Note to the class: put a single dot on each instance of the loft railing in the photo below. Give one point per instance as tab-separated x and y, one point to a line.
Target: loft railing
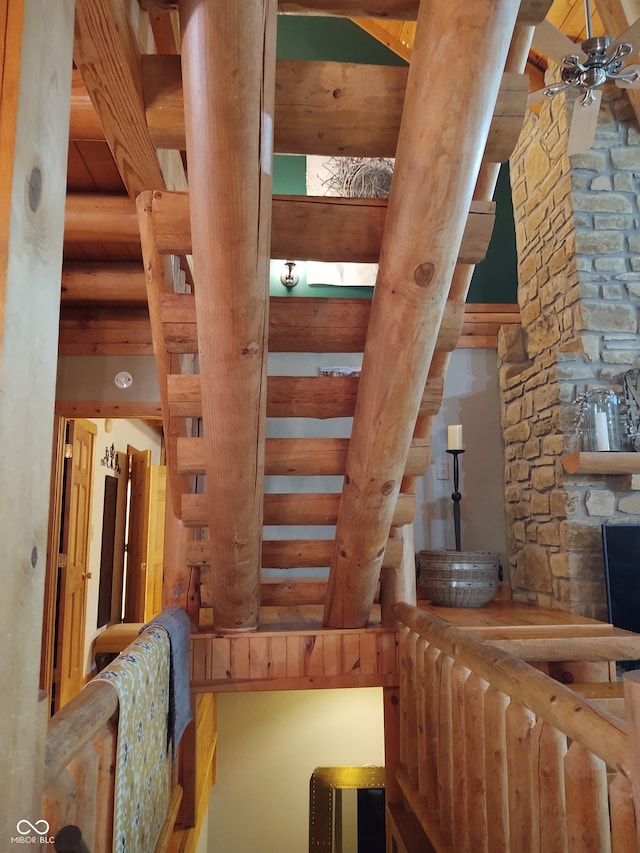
497	756
79	777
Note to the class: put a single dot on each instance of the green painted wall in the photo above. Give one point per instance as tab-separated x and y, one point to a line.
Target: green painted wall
339	40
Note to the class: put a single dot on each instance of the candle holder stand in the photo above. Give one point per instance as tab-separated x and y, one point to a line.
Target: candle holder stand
456	497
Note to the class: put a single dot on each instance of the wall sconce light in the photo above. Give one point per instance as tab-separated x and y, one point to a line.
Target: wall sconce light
288	277
111	459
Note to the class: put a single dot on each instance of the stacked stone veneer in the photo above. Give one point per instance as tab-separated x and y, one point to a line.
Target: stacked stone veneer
578	237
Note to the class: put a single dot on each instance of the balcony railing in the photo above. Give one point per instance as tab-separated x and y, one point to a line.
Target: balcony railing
497	756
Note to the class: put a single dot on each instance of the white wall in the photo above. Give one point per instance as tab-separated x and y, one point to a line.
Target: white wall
471	398
269	745
81	378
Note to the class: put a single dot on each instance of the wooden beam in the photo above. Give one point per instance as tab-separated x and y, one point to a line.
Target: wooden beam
100	282
103	314
309	324
232	48
416	267
327	108
324	108
530	12
289	554
295	396
35	81
303	227
484	189
108	57
303	508
105	331
302	457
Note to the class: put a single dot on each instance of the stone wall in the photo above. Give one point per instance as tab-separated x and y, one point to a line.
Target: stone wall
577	223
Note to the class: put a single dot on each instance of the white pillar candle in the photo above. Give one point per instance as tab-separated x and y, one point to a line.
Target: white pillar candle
602	432
454	437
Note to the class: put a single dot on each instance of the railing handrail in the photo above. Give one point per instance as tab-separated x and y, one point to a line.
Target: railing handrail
76	724
600	732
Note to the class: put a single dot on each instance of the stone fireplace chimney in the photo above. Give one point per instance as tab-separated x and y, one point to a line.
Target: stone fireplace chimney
578	239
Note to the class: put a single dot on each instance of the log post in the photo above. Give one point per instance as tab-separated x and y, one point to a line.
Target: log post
485	187
631	682
430	198
228	71
36	41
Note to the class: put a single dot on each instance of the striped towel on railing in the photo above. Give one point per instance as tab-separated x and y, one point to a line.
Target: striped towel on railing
141	677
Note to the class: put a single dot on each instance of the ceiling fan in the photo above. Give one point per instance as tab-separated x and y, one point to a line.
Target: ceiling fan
586	69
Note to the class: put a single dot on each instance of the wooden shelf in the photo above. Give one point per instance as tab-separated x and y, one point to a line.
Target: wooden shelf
602	463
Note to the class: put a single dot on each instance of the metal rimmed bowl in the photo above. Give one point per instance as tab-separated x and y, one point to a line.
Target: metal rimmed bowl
458	578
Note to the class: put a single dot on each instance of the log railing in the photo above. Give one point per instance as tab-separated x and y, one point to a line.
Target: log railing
497	756
79	777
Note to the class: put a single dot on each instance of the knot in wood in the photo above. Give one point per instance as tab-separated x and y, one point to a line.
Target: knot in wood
35	188
423	274
388	487
337	93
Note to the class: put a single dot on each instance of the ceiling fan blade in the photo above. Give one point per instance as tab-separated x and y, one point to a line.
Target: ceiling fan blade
629	70
630	36
548	39
583	125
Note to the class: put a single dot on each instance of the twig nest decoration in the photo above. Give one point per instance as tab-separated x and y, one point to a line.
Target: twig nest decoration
359	177
458	578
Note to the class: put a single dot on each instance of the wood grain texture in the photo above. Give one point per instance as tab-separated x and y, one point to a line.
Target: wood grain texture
413	283
530	12
33	155
233	49
107	55
325	108
304	227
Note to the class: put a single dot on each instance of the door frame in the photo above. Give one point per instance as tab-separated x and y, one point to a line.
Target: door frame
72	410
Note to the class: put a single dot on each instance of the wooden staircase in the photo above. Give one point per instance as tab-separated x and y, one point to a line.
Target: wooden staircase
182	325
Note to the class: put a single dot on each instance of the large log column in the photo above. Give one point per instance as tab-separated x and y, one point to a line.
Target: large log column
485	187
440	147
228	70
36	41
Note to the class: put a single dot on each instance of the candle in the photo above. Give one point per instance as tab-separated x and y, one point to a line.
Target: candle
454	437
602	432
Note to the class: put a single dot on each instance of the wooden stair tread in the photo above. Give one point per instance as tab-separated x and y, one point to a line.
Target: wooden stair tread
319	228
319	397
307	324
294	509
291	553
304	457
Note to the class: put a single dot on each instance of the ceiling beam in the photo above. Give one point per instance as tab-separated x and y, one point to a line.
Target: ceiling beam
424	226
108	57
103	282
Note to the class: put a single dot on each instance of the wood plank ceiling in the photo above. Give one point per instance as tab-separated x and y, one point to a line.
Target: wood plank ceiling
131	125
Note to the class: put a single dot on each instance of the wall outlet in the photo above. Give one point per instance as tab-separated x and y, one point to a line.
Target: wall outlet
442	470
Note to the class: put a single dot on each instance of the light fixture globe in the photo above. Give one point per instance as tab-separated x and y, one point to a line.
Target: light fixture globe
123	379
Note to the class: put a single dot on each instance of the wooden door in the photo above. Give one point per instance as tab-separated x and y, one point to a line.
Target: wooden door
155	541
74	558
137	533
